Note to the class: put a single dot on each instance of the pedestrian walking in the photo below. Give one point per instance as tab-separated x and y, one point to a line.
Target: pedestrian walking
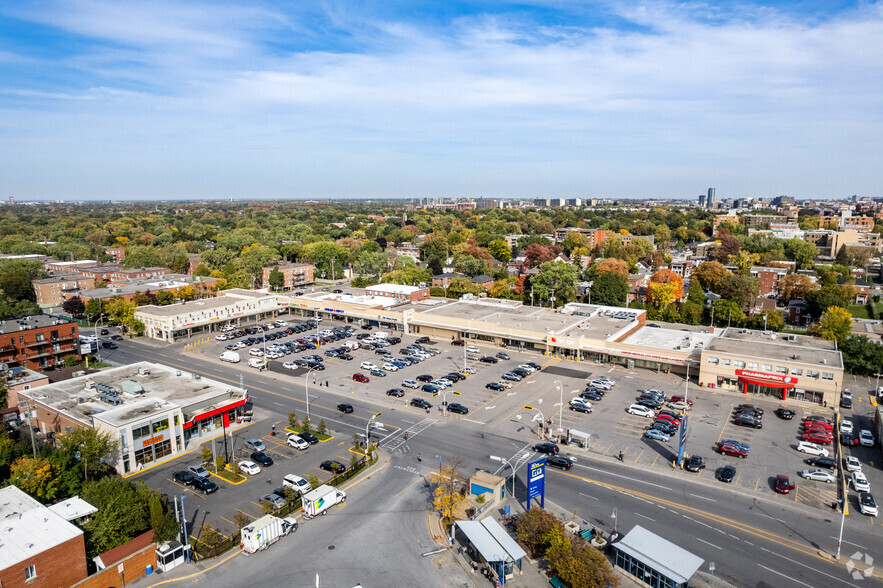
620	456
326	383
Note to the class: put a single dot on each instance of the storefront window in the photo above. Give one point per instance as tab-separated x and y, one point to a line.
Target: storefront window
713	360
827	376
138	432
160	425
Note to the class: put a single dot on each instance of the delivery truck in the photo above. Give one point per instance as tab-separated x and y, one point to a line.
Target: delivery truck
321	499
265	531
231	356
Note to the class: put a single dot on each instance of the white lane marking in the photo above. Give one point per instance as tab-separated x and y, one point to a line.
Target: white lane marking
284	388
707	543
703	497
587	496
472	421
783	575
748	542
812	568
609	473
409	422
490	407
278	404
511	393
637	514
530	381
772	517
856	544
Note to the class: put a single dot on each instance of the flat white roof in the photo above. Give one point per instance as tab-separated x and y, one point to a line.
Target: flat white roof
660	554
27	528
393	288
670	339
73	508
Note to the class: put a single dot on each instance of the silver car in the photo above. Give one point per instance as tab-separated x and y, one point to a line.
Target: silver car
818	475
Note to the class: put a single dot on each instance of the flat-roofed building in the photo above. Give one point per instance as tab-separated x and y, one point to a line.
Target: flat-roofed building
169	283
293	274
151	409
54	291
771	364
399	292
38	341
39	547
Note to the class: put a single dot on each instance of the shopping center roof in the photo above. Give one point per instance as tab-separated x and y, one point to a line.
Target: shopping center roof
801	349
670	339
143	388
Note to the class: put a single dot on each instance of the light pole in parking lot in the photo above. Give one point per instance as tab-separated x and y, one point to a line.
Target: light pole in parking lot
506	463
368	429
542	420
307	389
877	387
560	403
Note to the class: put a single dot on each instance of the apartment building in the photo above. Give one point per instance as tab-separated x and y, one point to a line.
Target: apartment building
54	291
38	341
294	274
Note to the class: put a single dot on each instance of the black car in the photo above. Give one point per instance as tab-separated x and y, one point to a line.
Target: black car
184	477
454	377
559	462
458	408
649	403
488	359
496	386
116	337
751	407
785	413
665	427
846	402
590	395
727	474
829	463
744	420
548	448
262	458
108	345
333	466
345	356
397	392
749	413
695	463
345	408
424	378
848	439
420	403
204	485
424	340
315	365
580	407
309	438
521	372
394	340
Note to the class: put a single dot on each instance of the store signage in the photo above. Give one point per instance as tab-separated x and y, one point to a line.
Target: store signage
152	440
536	477
764	376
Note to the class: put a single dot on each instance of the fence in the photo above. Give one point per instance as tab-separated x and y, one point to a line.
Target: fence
204	551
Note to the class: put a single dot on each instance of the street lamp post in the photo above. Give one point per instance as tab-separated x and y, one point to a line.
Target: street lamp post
877	388
506	463
560	403
307	389
368	429
542	420
842	520
97	340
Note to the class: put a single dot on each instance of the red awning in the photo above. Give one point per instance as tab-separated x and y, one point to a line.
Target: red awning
210	414
768	383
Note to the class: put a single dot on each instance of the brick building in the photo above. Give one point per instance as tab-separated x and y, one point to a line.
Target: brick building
55	290
399	292
768	277
295	274
38	341
118	254
39	547
170	283
53	265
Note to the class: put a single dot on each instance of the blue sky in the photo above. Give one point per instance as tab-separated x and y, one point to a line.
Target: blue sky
166	99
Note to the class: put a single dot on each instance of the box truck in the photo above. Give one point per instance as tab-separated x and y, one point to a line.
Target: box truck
231	356
265	531
257	362
321	499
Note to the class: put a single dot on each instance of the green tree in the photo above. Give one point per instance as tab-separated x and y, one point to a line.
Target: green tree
34	475
818	301
861	356
834	325
94	308
691	313
123	513
292	419
371	263
88	446
500	250
470	266
739	288
774	321
695	293
610	289
139	256
727	313
276	279
321	427
559	277
165	297
305	424
709	274
802	252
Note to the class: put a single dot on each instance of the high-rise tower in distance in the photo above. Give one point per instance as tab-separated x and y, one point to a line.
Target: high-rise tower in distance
709	201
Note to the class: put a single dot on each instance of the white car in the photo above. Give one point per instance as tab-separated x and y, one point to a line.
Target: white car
866	438
468	370
441	383
221	337
853	464
256	352
641	410
367	365
860	482
581	401
473	349
846	426
249	467
240	344
390	367
282	323
812	448
289	365
818	475
866	504
297	442
527	368
680	405
601	384
413	384
505	384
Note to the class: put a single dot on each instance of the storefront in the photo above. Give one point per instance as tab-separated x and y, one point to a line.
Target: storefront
213	420
777	386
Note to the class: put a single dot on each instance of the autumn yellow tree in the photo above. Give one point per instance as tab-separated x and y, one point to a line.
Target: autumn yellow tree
611	264
448	495
834	325
34	476
666	287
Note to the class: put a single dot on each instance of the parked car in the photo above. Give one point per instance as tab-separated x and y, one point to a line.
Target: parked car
822	462
249	467
297	442
511	376
503	355
494	386
411	384
817	438
783	485
547	448
727	474
785	413
275	500
397	392
108	345
584	408
431	388
255	445
198	471
846	426
848	439
695	463
470	349
361	378
747	421
262	458
204	485
559	462
743	446
657	435
859	482
333	466
488	359
184	477
818	476
457	408
811	448
458	342
866	438
853	464
730	449
309	438
345	408
641	410
424	378
678	405
866	504
420	403
679	398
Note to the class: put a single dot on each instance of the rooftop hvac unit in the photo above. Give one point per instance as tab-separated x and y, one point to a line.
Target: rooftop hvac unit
143	371
78	374
90	385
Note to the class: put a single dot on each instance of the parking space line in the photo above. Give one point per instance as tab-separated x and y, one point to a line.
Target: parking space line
639	456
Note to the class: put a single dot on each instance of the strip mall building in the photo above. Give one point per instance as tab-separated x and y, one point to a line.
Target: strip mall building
754	362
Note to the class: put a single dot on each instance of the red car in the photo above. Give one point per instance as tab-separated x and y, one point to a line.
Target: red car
817	420
361	378
678	398
670	419
783	485
458	342
730	449
819	430
816	438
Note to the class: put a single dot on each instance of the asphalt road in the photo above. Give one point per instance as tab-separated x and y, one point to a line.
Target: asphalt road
753	537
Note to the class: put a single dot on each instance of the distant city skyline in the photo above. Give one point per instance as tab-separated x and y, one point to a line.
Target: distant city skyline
103	100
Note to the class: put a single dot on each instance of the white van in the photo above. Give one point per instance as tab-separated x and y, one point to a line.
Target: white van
256	362
296	483
231	356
